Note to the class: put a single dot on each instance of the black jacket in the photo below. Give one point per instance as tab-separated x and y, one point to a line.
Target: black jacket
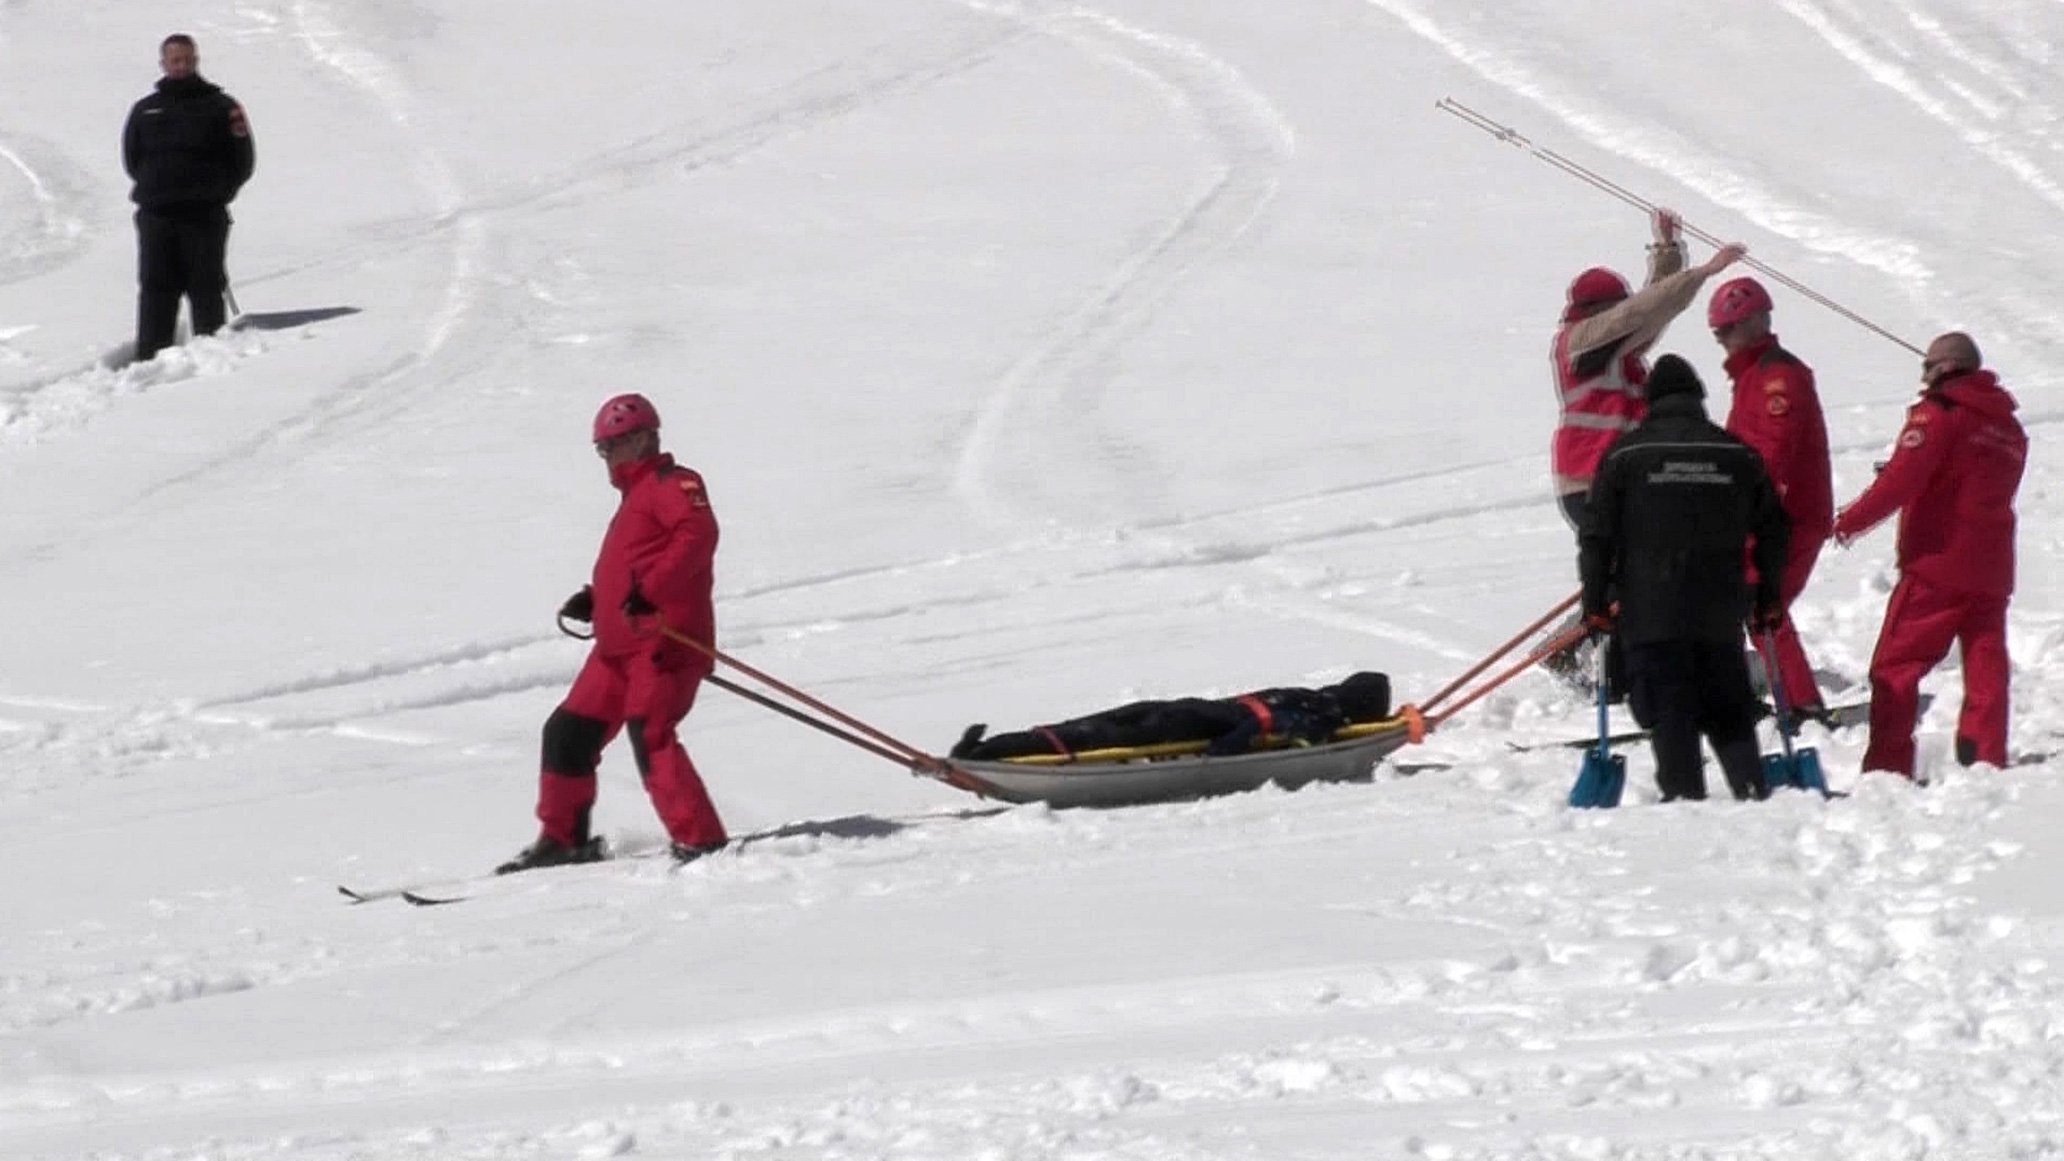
1671	513
186	146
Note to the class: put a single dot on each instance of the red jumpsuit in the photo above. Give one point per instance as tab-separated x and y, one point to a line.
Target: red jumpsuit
1952	477
662	542
1777	411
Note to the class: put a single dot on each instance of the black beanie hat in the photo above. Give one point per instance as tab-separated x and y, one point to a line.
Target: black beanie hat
1364	697
1673	376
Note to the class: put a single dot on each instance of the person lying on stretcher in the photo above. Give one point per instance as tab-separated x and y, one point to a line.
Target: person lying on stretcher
1231	725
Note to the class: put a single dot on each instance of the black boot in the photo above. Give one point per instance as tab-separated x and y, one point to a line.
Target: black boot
685	853
550	852
1743	764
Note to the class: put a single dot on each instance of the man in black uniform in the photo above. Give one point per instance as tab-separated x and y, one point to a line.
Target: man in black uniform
1668	525
188	149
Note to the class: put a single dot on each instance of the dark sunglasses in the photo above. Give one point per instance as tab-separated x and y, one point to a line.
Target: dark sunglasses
603	447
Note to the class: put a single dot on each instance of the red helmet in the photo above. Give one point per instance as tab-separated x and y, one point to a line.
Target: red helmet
1737	299
1591	288
625	414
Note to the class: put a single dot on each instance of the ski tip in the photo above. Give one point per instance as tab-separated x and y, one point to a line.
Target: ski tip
352	895
431	900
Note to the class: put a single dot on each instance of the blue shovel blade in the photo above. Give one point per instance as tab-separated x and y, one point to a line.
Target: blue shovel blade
1806	770
1801	771
1600	781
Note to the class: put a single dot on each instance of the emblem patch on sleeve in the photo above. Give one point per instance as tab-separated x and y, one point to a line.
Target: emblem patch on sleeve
1778	406
1912	437
692	488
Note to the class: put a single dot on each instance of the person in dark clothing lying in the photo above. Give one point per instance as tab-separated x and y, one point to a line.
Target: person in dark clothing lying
1230	725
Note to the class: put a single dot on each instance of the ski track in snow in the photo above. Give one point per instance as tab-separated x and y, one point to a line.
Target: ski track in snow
58	229
1058	381
1866	41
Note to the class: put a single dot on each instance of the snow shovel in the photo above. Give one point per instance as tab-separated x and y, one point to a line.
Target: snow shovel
1604	773
1798	767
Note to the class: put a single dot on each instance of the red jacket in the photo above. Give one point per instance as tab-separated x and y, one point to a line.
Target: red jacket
1599	400
1777	411
1952	478
663	540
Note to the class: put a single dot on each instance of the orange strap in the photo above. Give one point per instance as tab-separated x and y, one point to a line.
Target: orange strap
1260	710
1555	644
1518	639
1054	740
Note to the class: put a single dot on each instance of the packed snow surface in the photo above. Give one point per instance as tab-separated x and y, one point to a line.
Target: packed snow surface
1039	357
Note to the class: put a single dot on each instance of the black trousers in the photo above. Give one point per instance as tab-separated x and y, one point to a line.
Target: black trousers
1142	723
1574	505
179	253
1681	690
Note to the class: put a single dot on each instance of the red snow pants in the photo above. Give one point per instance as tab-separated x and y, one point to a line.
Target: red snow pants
650	697
1800	688
1921	622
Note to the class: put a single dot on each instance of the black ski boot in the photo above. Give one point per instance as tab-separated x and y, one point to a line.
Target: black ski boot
550	852
685	853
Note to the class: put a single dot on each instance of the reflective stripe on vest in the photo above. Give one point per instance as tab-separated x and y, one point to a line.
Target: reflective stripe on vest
1599	422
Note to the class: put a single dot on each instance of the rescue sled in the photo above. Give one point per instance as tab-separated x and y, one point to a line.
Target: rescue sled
1178	771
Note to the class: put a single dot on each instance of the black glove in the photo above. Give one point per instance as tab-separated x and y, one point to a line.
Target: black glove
636	605
580	606
1769	616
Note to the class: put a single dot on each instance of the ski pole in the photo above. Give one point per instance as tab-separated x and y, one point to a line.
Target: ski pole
1767	644
1512	137
1561	607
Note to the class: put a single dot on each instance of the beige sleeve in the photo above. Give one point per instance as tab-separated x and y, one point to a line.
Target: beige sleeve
1664	259
1639	319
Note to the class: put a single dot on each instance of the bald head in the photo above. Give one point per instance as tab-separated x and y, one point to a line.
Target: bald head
1950	354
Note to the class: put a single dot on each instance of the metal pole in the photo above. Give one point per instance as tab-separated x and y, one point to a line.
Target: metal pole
1512	137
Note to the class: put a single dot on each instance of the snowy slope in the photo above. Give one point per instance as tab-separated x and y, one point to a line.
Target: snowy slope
1039	356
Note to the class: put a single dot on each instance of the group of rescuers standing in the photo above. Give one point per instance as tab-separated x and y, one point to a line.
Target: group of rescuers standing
1687	531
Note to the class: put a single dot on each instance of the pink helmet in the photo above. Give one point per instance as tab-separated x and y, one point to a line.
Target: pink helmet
1592	288
625	414
1737	299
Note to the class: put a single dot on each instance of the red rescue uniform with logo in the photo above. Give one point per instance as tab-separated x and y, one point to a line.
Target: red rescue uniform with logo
661	543
1952	479
1776	410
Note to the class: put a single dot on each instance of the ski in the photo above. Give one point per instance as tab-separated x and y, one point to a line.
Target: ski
414	895
441	892
419	900
1840	717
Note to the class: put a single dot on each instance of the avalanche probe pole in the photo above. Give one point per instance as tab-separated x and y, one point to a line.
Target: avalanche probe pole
1512	137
